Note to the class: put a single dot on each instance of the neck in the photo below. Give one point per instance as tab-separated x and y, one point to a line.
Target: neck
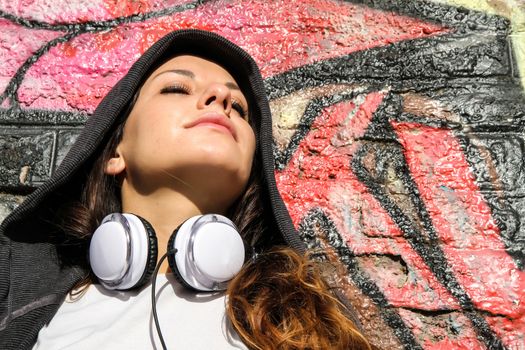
164	209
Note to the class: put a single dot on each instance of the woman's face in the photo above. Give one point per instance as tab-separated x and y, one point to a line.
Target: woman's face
189	125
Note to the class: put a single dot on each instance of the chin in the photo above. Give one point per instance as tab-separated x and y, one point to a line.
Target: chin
230	160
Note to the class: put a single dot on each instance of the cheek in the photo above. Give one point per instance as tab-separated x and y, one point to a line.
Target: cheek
145	141
251	142
154	130
249	150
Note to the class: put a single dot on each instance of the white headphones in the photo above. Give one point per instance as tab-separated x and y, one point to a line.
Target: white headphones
207	252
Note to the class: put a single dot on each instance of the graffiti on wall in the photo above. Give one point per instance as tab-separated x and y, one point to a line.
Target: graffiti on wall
398	133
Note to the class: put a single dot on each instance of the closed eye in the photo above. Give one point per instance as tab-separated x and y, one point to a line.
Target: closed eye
240	109
175	89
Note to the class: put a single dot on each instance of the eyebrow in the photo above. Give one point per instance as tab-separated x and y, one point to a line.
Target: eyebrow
190	74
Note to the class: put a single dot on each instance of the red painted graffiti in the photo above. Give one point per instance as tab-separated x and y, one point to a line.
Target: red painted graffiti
319	176
469	237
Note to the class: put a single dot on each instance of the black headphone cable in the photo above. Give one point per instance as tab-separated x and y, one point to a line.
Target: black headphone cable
153	299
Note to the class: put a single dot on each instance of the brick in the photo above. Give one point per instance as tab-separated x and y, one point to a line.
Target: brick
26	156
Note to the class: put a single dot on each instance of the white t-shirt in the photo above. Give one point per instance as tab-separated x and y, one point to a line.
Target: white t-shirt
103	319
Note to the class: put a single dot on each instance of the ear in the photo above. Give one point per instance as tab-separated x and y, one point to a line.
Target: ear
115	165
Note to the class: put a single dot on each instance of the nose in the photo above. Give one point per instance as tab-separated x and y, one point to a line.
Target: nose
219	95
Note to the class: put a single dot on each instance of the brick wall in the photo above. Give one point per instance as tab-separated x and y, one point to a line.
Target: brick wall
398	128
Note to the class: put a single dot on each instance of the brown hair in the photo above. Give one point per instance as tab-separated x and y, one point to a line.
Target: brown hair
279	299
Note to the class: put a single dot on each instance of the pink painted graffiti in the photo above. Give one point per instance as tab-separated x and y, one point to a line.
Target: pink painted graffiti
84	69
80	11
17	44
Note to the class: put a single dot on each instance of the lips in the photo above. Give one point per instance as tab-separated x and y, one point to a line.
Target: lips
215	120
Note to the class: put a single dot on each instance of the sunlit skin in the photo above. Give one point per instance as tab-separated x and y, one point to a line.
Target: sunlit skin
187	146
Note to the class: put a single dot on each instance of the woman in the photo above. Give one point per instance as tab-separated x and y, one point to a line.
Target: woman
186	132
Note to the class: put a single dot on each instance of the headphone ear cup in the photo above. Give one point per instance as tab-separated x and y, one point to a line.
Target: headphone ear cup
123	251
209	252
153	250
173	264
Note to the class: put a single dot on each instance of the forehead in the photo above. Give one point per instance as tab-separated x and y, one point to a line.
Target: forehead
201	68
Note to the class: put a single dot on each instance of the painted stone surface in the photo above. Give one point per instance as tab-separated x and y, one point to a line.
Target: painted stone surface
398	131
